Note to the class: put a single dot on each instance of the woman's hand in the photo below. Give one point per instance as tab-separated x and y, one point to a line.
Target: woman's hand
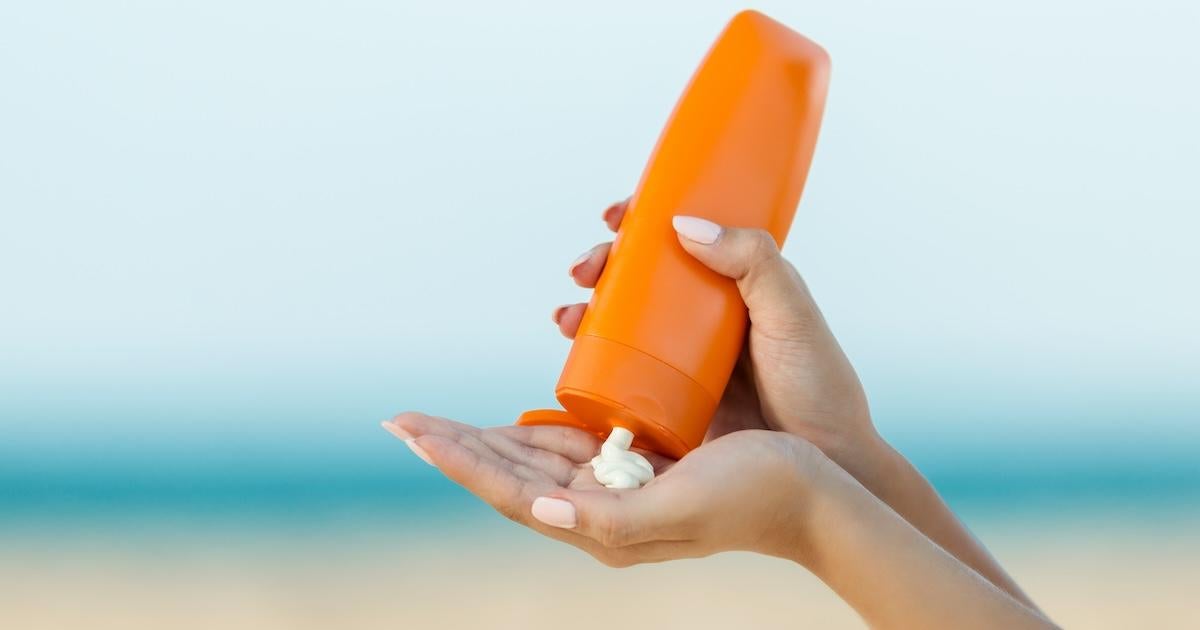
773	492
752	490
743	491
792	375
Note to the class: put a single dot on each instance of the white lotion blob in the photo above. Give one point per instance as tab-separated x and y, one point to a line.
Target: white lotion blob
618	467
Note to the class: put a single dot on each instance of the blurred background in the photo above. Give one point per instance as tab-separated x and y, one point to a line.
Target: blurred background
234	236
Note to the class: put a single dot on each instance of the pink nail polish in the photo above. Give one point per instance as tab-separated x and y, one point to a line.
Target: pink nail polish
697	230
554	512
608	212
419	452
579	261
395	430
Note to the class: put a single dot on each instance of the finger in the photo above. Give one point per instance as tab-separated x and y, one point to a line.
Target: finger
773	291
497	485
509	456
568	318
586	269
574	444
411	425
416	423
553	465
614	214
509	495
616	519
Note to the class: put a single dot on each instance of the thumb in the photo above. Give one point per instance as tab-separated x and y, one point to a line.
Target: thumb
773	291
613	519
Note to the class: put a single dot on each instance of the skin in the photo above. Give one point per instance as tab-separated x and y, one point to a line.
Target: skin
792	467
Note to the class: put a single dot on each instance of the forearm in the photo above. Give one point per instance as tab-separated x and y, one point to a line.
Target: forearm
896	482
891	573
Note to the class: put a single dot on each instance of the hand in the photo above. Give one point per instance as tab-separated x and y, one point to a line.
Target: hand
743	491
775	492
792	375
752	490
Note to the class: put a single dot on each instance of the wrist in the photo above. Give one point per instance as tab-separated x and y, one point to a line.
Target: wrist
867	457
808	478
823	489
833	502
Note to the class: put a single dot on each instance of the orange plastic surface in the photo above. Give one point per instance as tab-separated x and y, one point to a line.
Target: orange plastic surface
662	332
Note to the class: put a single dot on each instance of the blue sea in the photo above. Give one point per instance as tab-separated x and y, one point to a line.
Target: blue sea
69	470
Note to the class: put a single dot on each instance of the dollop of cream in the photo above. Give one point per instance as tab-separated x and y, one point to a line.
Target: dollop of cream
618	467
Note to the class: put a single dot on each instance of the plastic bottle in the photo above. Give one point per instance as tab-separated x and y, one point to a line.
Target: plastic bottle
662	332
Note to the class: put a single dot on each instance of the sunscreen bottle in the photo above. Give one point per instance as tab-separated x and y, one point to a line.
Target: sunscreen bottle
662	332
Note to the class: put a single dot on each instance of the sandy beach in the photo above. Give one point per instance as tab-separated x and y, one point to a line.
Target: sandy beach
483	572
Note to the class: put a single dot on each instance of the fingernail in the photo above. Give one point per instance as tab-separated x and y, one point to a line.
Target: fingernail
554	512
584	257
697	230
556	316
395	430
420	452
612	207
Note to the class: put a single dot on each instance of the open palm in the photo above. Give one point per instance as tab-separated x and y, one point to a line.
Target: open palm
507	464
509	467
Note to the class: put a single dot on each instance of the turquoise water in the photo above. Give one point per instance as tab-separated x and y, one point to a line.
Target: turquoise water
362	468
277	449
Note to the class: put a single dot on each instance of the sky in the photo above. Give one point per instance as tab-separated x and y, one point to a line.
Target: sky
252	230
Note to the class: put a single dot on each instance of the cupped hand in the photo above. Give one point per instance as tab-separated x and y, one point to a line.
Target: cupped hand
792	375
743	491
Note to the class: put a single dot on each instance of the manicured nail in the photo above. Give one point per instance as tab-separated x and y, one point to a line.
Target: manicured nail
409	440
612	207
697	230
554	512
556	316
584	257
420	452
395	430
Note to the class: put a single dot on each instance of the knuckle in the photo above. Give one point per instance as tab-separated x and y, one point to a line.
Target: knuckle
755	250
510	512
762	247
611	533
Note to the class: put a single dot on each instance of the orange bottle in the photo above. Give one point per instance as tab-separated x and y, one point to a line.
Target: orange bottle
662	332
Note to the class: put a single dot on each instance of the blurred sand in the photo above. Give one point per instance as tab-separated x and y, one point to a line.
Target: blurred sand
1086	575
